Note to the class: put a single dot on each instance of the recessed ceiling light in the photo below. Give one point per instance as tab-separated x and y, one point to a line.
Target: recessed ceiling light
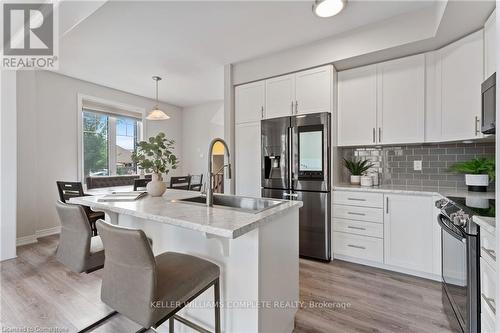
328	8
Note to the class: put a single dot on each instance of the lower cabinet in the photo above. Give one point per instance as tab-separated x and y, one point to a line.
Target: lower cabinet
401	234
247	159
408	225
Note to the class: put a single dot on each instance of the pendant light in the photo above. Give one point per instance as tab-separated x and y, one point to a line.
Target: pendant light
328	8
156	113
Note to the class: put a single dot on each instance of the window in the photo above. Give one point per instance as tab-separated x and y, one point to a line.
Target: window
108	143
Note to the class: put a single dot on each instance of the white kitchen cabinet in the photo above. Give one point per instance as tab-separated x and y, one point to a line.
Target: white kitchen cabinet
401	100
357	106
249	102
490	46
247	159
313	90
461	75
408	225
304	92
280	96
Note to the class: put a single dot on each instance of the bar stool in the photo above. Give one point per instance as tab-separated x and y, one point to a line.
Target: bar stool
151	289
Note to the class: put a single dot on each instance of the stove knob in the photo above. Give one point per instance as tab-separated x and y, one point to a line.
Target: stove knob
441	203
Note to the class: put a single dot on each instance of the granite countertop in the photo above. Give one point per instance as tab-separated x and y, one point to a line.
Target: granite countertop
415	190
220	221
486	223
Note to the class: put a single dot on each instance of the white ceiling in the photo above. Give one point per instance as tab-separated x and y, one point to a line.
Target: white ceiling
122	44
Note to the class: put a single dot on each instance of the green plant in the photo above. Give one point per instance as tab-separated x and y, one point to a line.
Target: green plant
477	166
357	168
155	155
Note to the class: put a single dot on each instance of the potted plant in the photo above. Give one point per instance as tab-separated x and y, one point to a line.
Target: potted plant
478	173
357	168
155	155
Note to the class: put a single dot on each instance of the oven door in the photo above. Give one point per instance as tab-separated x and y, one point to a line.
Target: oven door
454	273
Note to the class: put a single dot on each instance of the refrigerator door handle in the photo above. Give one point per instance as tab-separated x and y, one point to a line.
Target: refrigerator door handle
290	158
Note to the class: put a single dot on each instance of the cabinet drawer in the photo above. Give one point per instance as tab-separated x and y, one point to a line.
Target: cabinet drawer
362	247
358	213
359	227
488	287
487	241
358	199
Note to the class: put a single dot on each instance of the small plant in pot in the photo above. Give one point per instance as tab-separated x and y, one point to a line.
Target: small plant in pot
357	169
479	172
155	156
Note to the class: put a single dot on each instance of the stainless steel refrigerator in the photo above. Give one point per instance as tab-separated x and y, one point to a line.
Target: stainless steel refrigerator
296	166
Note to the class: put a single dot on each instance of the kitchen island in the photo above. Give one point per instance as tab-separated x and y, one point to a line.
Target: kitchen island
257	252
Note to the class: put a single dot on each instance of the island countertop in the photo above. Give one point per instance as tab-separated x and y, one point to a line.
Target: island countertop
219	221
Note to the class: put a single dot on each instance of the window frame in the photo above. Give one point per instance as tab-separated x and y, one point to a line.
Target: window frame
128	109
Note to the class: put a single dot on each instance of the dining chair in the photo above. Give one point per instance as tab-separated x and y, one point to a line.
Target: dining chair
140	183
134	279
196	182
68	190
180	183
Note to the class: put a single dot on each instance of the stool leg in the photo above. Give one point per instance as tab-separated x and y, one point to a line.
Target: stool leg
171	325
217	305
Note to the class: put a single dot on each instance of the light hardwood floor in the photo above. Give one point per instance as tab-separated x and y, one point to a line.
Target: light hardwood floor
37	291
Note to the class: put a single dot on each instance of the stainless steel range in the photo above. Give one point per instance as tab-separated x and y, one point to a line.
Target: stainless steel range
460	259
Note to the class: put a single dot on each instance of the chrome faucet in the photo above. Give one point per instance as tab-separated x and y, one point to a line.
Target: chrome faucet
210	191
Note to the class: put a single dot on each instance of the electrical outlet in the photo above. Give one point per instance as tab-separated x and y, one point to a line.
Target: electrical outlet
417	165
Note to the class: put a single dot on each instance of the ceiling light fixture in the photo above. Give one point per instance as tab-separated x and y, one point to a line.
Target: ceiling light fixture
328	8
156	113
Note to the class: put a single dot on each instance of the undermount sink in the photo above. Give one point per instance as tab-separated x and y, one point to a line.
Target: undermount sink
251	205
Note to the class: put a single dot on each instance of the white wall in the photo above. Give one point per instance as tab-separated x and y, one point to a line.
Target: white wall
47	134
201	123
8	165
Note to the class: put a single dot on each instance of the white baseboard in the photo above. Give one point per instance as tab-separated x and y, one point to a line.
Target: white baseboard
31	239
48	232
26	240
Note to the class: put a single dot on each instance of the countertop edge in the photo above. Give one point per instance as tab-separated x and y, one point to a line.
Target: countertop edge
487	223
219	232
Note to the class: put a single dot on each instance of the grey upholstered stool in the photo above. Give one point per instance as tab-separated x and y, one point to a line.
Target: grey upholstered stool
135	280
78	249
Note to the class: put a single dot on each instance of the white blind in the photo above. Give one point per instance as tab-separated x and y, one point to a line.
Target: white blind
110	110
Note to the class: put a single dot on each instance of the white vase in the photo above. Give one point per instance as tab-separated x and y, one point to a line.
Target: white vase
156	187
477	183
366	181
355	180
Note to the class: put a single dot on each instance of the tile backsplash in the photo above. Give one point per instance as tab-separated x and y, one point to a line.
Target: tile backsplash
395	164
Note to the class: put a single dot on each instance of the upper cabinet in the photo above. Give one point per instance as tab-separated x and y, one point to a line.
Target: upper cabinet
309	91
304	92
460	74
489	46
432	97
280	96
357	106
375	101
249	102
401	100
314	90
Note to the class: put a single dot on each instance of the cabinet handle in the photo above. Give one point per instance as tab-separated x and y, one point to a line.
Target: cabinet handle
490	302
374	135
380	134
356	199
262	112
357	228
476	128
491	253
353	213
387	205
357	246
292	107
296	107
